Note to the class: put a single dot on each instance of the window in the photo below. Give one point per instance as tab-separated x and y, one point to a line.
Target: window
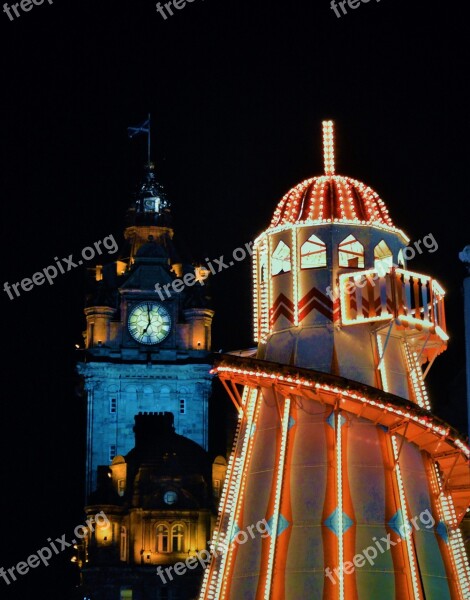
401	259
112	452
112	405
313	253
177	538
162	538
351	253
182	406
170	497
217	487
121	486
383	258
123	548
280	260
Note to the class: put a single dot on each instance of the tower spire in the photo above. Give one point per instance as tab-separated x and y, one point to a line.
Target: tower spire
329	147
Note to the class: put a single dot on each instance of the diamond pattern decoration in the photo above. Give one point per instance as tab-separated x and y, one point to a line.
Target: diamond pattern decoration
333	523
441	530
331	420
282	525
291	423
399	524
235	531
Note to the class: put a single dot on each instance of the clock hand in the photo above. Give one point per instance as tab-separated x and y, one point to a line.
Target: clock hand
148	324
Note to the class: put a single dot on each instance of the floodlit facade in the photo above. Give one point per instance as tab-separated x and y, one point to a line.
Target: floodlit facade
146	367
362	486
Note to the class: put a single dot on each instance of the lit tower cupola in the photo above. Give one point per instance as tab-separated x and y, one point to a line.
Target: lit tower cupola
149	215
332	291
362	487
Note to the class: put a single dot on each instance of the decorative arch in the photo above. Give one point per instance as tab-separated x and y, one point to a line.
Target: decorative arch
130	393
351	253
313	253
281	259
148	392
165	394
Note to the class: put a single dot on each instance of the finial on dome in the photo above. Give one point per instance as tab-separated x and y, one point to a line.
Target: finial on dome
329	147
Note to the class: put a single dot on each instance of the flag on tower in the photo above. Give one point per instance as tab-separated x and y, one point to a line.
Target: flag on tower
144	128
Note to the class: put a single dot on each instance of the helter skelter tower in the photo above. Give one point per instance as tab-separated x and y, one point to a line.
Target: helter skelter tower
336	446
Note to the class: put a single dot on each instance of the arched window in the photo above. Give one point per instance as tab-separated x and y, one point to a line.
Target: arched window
165	397
177	537
313	253
148	394
351	253
280	260
130	393
383	258
162	538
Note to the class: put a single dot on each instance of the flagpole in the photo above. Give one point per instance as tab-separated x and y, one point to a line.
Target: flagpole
148	142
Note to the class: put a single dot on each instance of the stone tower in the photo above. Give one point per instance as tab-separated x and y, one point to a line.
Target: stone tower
145	352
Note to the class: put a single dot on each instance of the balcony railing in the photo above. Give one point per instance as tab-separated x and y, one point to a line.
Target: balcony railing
415	301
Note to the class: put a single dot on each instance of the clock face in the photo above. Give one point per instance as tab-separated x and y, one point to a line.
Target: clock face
149	322
170	497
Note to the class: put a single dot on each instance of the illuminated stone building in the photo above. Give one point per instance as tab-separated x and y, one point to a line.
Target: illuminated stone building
363	487
146	370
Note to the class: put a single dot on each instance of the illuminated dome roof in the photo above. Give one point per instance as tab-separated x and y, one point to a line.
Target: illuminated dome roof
331	198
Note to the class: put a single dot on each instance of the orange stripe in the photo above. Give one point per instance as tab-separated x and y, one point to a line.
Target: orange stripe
349	538
330	541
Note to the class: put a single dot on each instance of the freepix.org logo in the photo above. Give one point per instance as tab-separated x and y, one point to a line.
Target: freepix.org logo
54	547
214	266
370	553
203	557
61	266
25	5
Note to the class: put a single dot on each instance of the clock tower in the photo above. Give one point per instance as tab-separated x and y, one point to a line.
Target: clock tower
145	352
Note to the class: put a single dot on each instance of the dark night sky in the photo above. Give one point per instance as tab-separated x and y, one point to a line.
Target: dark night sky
237	91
